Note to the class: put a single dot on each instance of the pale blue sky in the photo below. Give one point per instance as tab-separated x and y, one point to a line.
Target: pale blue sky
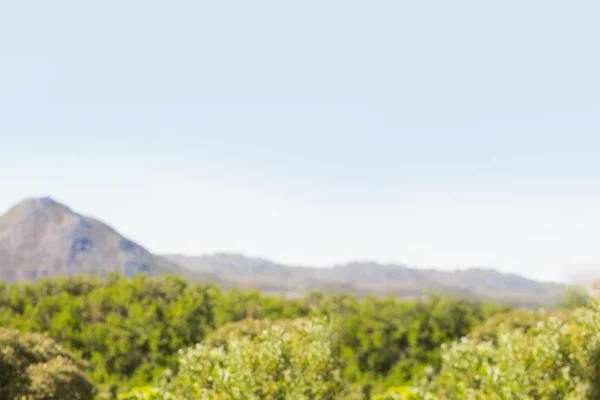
432	133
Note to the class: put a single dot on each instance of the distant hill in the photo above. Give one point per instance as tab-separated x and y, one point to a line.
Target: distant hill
510	288
40	237
371	278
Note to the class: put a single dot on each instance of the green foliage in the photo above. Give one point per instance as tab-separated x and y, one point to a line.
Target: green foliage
386	341
130	330
398	393
524	320
235	305
248	328
555	359
33	366
285	361
575	297
142	393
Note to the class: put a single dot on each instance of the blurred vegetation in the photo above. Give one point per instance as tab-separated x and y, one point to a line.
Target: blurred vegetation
33	366
524	320
167	337
575	297
556	358
295	361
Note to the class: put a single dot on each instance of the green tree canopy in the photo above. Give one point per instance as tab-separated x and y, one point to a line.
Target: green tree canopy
556	358
285	361
33	366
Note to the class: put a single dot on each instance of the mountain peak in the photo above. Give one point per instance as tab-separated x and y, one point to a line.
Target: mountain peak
44	201
42	237
32	205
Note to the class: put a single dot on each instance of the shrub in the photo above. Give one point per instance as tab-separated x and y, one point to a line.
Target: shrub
248	328
33	366
285	361
524	320
555	359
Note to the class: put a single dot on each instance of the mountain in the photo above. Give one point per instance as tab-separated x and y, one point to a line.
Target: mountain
371	278
40	237
500	286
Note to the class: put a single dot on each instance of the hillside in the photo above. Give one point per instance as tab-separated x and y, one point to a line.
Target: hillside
492	284
40	237
371	278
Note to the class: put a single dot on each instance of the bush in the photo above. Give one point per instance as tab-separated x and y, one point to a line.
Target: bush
33	366
555	359
524	320
285	361
248	328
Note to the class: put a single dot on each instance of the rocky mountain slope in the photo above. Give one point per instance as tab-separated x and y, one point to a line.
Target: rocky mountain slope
40	237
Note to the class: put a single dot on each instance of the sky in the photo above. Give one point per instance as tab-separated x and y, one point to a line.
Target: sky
434	134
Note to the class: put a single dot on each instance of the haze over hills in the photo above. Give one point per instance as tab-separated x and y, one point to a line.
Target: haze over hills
40	237
358	277
372	278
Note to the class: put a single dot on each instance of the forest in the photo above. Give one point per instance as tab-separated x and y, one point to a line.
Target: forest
170	338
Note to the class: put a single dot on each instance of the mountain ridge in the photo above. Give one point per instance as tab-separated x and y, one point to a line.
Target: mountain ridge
373	278
41	237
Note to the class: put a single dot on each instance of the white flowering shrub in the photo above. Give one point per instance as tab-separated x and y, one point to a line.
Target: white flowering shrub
296	363
555	359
